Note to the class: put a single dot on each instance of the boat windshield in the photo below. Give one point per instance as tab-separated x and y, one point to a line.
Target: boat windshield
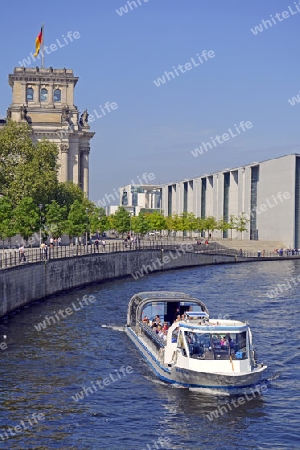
216	346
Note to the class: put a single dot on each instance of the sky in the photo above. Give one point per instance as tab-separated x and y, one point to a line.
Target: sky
248	76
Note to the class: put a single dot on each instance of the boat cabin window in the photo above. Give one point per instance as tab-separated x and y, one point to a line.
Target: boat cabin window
216	346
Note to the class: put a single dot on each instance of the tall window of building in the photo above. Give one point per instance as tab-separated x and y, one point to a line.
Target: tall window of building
56	95
124	198
185	196
169	200
297	204
29	94
203	197
226	201
44	95
253	203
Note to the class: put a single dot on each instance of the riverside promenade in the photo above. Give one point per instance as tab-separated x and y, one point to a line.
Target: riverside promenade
12	257
70	267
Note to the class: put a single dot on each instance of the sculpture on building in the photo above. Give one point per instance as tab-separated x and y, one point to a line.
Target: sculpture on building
64	148
23	112
84	118
65	114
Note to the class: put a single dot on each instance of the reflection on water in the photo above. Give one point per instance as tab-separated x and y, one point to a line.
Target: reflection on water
41	371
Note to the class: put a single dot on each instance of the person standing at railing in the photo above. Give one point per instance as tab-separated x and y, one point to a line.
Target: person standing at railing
22	256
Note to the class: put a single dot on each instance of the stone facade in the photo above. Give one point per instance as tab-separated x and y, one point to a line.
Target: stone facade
44	98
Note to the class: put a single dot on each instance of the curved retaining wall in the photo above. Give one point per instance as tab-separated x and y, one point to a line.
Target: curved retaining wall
23	284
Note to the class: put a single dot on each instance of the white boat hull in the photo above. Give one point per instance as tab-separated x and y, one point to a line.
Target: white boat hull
234	383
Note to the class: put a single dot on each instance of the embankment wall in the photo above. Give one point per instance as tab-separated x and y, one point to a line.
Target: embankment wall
25	283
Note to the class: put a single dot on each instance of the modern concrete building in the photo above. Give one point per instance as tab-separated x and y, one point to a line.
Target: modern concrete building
268	192
141	197
44	98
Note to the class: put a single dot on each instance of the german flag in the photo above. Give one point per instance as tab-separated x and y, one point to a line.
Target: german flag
38	42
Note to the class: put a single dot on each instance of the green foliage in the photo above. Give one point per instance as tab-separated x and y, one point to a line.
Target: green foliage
26	217
27	169
6	219
210	224
241	223
15	146
56	217
121	220
67	193
157	221
175	223
98	220
223	225
141	223
77	222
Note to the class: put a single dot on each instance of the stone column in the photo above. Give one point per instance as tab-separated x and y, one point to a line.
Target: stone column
84	168
64	148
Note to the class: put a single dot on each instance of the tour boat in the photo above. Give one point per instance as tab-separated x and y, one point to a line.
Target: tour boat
193	351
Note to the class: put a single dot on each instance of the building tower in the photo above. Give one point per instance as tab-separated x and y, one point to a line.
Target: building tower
44	98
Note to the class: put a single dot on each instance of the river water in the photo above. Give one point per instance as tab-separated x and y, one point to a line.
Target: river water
42	371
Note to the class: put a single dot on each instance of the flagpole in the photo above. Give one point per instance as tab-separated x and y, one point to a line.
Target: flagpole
43	53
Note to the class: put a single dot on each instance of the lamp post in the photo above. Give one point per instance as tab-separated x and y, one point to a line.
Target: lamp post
87	224
131	214
40	208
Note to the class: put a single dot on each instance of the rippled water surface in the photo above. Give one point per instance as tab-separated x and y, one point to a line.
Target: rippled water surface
42	371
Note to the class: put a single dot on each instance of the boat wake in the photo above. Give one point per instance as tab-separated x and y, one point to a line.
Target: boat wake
113	327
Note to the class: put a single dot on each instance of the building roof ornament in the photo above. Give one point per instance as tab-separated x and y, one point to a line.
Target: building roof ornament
84	118
65	114
64	148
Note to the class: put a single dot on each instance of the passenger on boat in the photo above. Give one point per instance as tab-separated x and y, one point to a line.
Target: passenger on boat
223	341
160	332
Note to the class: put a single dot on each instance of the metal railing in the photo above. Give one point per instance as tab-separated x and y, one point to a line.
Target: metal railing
12	257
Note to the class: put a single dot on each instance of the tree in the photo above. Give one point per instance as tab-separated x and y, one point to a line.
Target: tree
200	225
27	169
98	221
232	223
241	223
6	223
141	223
223	225
210	224
77	223
56	217
15	146
26	217
157	221
67	193
189	222
175	223
121	220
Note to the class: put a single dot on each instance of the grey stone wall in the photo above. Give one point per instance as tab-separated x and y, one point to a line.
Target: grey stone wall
23	284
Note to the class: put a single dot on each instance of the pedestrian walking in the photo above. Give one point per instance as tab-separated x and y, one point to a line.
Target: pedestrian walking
103	244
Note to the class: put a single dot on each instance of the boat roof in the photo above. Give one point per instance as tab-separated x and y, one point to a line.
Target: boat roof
138	301
214	328
161	295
